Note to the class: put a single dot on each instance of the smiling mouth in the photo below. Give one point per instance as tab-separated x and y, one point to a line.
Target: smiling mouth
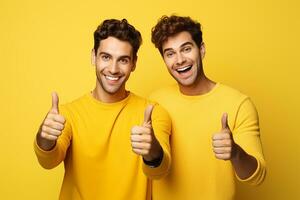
184	69
112	78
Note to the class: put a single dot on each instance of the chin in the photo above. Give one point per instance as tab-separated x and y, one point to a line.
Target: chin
186	82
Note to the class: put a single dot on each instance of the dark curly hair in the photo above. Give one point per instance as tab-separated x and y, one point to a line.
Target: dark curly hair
120	29
170	26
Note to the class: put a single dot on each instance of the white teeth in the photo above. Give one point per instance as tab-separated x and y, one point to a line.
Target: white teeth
112	78
182	69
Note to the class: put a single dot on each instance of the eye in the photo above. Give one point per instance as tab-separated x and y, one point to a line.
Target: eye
187	49
124	61
105	57
169	54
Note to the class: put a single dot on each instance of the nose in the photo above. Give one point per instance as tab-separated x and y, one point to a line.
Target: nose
114	68
180	59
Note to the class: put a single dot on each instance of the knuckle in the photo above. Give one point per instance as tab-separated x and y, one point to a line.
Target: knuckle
43	134
135	151
63	119
148	146
134	129
229	149
148	131
44	128
149	138
46	121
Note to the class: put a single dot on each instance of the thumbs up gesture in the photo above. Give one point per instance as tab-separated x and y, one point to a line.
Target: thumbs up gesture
53	124
224	146
143	140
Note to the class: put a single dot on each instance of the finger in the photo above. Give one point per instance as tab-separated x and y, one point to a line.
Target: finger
222	156
222	150
222	143
221	136
55	100
140	130
56	117
51	131
48	137
53	124
147	114
141	152
224	122
140	145
141	138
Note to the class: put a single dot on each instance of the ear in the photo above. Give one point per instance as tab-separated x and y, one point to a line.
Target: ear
134	64
93	57
202	50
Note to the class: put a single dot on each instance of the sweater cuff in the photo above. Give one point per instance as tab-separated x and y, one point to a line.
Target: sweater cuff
257	177
161	170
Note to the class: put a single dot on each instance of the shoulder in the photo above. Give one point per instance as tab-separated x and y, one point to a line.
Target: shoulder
231	94
241	102
141	102
79	102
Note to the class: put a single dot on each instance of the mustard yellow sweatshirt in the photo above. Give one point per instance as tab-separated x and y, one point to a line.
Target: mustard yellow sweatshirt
96	150
195	172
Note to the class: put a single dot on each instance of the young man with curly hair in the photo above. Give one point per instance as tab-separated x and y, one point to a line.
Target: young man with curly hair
215	128
110	140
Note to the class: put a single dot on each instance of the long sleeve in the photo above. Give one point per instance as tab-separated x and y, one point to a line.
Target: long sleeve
246	133
52	158
161	124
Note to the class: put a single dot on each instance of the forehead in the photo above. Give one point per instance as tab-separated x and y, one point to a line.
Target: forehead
115	47
175	42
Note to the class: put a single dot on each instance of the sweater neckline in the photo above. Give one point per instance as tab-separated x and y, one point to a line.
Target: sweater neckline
201	96
100	103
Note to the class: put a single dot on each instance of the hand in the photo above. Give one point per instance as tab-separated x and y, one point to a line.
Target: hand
53	124
143	140
224	146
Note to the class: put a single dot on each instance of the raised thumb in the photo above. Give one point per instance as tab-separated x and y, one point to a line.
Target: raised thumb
55	101
224	121
147	114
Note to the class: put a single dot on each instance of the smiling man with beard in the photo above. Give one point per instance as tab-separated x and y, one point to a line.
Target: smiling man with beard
215	128
110	140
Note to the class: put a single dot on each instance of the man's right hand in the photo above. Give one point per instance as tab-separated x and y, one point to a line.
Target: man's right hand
52	126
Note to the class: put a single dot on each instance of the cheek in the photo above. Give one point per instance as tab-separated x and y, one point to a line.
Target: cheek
168	63
100	64
128	69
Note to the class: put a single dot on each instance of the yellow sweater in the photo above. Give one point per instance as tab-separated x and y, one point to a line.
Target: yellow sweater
195	172
96	150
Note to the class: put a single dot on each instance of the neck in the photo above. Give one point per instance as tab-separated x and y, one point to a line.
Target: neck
201	86
106	97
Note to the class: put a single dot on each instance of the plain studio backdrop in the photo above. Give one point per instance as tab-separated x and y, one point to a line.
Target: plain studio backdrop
45	46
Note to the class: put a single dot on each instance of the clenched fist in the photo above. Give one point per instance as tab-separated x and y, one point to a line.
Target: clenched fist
143	140
224	146
52	126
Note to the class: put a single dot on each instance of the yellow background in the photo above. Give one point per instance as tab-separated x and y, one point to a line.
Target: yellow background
45	46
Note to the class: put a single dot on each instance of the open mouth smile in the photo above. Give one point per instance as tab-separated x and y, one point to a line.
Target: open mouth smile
112	78
184	69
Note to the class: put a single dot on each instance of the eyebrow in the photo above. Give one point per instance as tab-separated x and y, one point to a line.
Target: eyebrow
124	57
184	44
103	52
121	57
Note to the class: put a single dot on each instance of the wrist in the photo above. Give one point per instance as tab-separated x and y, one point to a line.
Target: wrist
236	152
155	162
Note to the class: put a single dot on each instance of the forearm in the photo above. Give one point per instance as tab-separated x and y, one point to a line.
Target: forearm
244	164
157	172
